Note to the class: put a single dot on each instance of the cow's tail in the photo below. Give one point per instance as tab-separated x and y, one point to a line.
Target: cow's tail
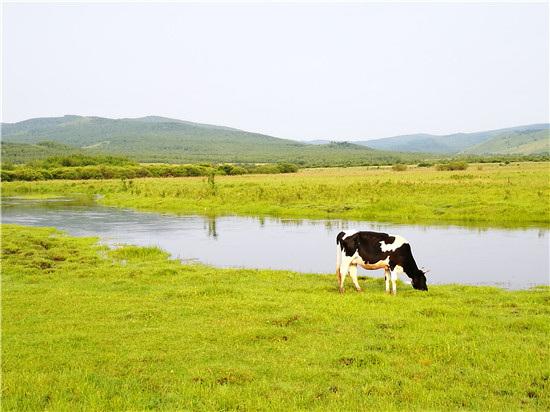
338	258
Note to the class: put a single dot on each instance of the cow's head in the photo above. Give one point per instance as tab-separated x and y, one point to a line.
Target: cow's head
418	281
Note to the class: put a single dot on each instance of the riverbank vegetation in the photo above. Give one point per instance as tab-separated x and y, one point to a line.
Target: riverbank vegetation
497	194
86	327
82	167
77	166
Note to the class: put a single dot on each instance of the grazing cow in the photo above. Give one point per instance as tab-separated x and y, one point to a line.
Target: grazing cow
373	250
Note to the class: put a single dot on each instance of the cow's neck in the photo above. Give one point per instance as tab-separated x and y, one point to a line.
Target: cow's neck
410	268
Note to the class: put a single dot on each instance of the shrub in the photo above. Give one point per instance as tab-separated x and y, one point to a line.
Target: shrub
27	174
266	169
111	171
68	173
198	170
287	168
399	167
141	171
120	172
179	171
159	170
75	160
225	169
237	170
458	165
89	172
6	176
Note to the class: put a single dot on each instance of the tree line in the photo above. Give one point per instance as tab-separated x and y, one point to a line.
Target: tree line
82	167
85	167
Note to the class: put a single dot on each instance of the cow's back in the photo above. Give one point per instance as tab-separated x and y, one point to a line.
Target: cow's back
372	246
348	241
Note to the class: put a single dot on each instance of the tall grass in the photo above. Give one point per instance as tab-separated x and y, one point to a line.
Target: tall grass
89	328
494	194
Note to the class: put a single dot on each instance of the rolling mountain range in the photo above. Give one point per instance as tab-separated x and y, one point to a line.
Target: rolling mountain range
158	139
520	140
163	140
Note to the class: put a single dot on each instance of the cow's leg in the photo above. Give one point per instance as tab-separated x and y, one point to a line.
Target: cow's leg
387	275
353	275
341	275
394	282
342	272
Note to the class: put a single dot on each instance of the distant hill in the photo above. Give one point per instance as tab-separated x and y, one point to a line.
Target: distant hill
150	137
134	135
514	143
156	139
454	143
315	142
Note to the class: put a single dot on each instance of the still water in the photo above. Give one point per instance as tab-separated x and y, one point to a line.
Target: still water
511	259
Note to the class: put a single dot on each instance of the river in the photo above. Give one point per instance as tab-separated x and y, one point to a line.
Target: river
507	258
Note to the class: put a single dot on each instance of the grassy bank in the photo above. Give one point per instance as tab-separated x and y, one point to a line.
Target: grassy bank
511	194
88	328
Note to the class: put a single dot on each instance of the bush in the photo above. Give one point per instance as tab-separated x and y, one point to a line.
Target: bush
399	167
179	171
68	173
27	174
75	160
266	169
141	171
237	170
111	171
287	168
458	165
225	169
119	172
6	176
159	170
198	170
89	172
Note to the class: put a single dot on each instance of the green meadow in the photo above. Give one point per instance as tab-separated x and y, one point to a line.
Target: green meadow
86	327
512	194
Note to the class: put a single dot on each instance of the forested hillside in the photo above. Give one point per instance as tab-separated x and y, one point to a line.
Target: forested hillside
18	153
161	140
136	135
156	139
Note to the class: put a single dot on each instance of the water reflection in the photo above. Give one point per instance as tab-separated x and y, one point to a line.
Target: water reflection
454	254
211	223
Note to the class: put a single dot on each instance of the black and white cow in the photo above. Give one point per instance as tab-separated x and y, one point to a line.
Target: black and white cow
373	250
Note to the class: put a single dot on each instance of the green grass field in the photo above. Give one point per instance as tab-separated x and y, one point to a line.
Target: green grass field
495	194
89	328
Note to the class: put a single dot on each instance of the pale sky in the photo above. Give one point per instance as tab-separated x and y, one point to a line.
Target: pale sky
302	71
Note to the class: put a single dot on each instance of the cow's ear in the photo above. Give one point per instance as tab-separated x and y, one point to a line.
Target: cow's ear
423	270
